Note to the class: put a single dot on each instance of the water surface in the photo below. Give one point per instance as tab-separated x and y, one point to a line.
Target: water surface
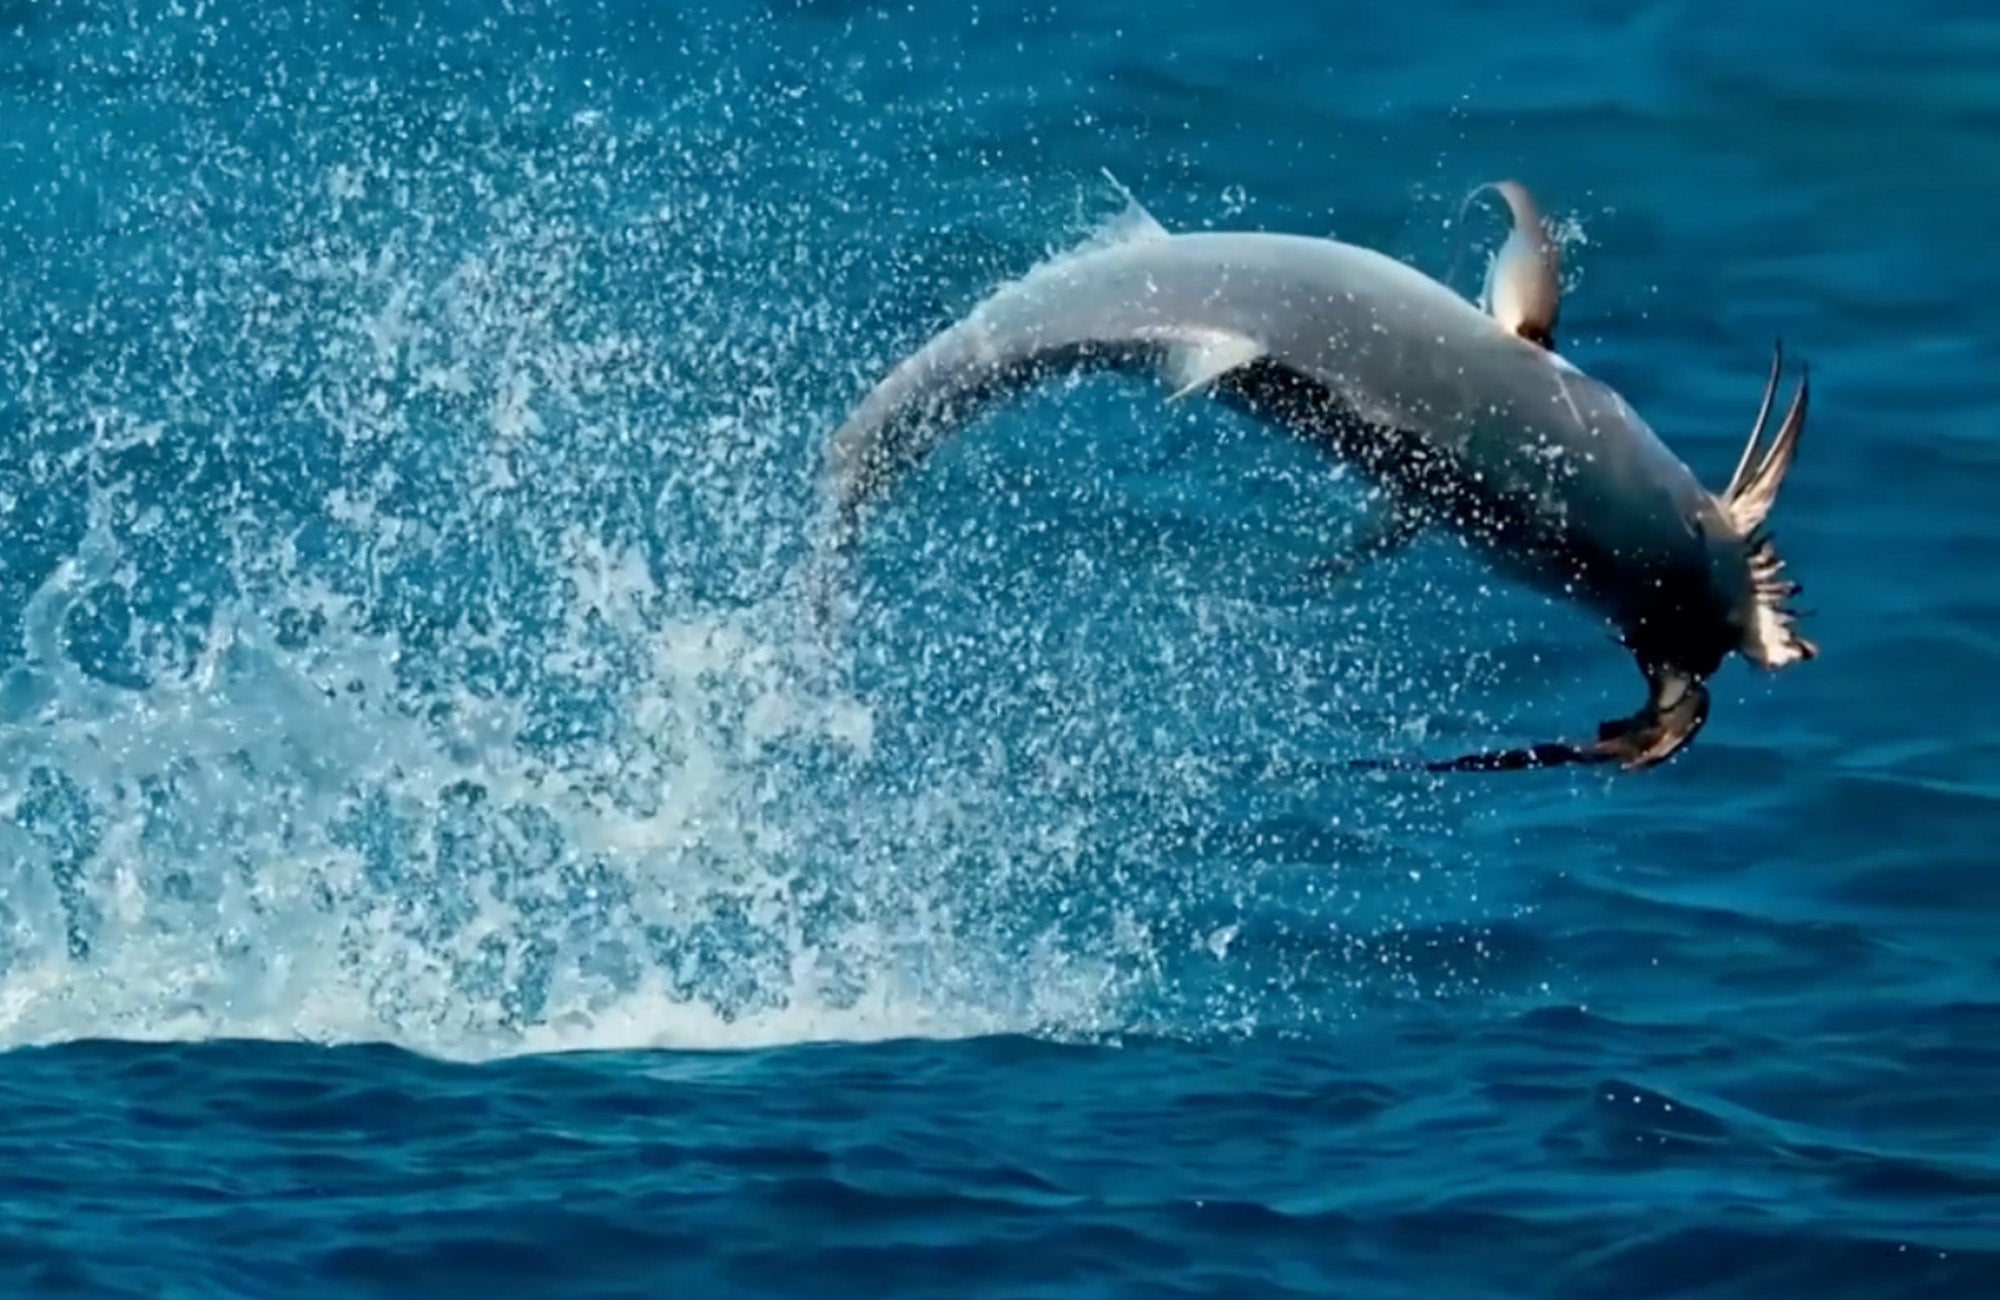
437	864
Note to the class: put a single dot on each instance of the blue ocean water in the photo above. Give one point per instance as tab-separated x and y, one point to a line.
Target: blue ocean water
436	864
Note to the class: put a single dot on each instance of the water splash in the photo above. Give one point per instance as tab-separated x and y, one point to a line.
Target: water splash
403	531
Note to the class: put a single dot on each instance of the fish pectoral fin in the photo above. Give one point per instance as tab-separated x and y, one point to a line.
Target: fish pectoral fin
1671	717
1195	359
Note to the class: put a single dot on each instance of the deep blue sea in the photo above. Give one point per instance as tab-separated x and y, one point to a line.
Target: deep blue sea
434	861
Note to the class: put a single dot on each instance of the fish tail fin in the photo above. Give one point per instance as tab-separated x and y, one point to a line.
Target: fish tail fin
1523	288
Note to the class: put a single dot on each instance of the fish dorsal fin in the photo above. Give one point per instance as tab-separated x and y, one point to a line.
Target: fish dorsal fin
1131	224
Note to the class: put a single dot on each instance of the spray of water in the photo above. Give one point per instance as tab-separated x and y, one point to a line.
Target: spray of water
404	492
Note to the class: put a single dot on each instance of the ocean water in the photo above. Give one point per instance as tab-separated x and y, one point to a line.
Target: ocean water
433	861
